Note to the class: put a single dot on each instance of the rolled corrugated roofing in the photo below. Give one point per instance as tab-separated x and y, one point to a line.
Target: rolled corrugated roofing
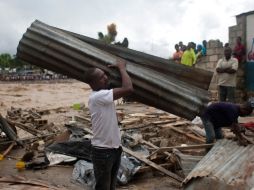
62	52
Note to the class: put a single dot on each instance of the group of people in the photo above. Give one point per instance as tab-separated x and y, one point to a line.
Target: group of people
188	55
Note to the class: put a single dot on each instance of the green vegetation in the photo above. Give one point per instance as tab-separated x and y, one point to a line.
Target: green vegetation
8	61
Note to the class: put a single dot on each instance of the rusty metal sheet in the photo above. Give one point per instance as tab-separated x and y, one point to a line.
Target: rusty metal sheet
193	76
50	48
226	166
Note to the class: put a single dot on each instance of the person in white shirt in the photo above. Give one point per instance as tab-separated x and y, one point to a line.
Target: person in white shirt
106	141
226	71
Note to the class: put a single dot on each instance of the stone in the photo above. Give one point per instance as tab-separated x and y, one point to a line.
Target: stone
210	66
219	51
214	44
232	34
233	28
201	66
213	58
210	52
205	59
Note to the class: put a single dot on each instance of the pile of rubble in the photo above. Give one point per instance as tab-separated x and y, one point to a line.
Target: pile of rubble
152	141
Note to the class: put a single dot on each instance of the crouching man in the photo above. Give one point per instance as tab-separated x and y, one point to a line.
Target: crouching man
222	114
106	141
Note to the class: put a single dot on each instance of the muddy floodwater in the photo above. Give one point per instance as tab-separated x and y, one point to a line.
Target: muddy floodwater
44	95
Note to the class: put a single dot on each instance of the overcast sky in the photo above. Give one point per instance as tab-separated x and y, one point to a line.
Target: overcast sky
152	26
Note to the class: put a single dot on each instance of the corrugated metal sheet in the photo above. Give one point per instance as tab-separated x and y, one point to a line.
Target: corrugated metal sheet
179	71
56	50
226	166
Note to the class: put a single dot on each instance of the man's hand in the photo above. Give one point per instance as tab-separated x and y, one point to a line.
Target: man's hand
238	130
126	88
225	70
242	141
120	64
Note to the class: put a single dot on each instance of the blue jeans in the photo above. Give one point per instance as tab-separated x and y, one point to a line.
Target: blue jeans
227	93
106	162
211	131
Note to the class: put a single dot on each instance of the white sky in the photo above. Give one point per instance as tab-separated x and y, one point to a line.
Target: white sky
152	26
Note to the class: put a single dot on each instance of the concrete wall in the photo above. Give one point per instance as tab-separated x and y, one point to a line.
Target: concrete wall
215	52
209	62
234	31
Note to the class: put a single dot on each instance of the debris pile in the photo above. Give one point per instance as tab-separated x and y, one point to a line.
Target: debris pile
154	142
149	139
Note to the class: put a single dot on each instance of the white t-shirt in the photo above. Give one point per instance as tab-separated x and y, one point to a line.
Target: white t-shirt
226	79
105	128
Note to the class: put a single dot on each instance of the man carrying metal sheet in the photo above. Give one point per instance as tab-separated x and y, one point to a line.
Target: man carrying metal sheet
223	114
106	141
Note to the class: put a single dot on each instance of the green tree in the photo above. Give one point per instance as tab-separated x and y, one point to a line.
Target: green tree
5	60
17	63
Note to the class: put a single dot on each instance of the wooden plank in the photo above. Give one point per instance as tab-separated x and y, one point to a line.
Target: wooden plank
28	128
16	180
142	141
137	115
163	122
144	169
2	156
82	119
136	127
130	121
163	149
180	123
198	139
29	138
168	117
152	164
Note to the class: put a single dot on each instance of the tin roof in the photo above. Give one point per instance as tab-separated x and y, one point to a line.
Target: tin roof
227	164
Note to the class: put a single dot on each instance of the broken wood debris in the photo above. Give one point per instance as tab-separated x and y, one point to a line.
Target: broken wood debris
26	128
2	156
185	147
16	180
153	131
144	169
30	139
152	164
199	139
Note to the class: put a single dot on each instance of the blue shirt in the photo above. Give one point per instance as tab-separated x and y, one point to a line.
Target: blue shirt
222	114
203	51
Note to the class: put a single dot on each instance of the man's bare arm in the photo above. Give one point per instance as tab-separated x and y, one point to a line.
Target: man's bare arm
226	70
127	87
